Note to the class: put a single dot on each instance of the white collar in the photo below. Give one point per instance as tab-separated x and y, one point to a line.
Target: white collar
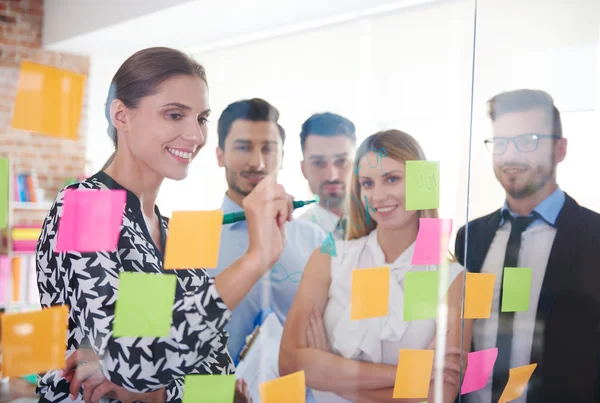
323	217
352	338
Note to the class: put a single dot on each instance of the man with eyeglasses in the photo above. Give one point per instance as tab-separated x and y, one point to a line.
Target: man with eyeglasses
556	244
328	143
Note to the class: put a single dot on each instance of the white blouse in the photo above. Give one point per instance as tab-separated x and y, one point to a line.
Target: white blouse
376	340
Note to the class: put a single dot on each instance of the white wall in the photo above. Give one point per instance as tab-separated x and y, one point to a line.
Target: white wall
66	19
412	70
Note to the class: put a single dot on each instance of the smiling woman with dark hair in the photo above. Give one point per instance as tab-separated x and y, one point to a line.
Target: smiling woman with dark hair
157	110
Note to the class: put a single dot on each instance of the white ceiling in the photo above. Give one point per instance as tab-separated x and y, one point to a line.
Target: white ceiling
95	27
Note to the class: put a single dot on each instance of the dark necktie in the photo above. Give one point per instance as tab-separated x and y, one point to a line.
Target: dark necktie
506	319
341	227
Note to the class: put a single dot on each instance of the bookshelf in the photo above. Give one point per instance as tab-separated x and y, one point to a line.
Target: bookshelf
18	286
37	206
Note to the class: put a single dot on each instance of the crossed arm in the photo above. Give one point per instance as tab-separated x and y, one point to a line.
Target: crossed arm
304	345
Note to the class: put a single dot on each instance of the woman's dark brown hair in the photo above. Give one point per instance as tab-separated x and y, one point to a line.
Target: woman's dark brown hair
141	75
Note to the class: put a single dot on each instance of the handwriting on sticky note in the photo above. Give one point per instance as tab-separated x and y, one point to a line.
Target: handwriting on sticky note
516	289
290	389
479	368
517	381
49	100
422	185
209	388
432	241
370	293
194	239
421	295
328	246
144	304
479	292
413	374
34	342
90	220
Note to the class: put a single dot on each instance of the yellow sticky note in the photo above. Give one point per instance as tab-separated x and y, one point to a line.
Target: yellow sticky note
479	291
34	342
193	240
289	389
517	380
49	100
370	293
414	374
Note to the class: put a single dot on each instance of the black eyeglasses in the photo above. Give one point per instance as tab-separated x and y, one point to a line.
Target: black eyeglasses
525	143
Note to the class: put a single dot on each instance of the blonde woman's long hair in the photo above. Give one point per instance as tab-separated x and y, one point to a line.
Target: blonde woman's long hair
396	145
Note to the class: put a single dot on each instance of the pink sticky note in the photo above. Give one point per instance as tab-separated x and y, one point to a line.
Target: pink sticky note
479	369
5	268
432	241
90	221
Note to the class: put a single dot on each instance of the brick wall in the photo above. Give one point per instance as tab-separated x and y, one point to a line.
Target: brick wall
54	160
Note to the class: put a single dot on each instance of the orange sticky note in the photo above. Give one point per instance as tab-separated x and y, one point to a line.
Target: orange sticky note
517	380
479	291
34	342
370	293
16	280
193	240
49	100
414	374
289	389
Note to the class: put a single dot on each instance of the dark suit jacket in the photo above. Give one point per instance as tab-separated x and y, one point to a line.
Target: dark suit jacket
567	342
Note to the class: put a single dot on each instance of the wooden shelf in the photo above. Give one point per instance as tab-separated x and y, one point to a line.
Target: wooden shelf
21	304
40	206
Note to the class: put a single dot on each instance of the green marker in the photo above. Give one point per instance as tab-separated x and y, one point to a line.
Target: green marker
241	216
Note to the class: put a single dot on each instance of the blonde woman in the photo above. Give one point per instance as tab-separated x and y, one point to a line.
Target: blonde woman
348	360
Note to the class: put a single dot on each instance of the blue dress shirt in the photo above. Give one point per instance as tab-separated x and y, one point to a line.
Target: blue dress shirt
548	209
278	286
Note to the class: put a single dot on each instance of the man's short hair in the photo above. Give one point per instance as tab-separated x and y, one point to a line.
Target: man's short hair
255	110
524	100
327	124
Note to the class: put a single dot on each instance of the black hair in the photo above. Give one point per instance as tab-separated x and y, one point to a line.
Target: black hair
255	110
327	124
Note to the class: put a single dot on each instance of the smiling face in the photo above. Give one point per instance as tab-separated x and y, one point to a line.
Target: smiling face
523	174
166	130
382	182
252	151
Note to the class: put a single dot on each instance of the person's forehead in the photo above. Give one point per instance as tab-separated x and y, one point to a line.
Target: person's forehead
187	90
328	145
372	163
254	131
515	123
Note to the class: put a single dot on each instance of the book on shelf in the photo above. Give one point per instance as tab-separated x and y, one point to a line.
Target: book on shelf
19	274
24	238
26	188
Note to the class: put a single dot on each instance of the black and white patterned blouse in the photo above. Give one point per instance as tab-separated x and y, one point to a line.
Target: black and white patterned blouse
87	282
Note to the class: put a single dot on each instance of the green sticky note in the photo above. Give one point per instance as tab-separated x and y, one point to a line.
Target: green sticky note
144	304
4	181
516	287
209	388
422	185
420	295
